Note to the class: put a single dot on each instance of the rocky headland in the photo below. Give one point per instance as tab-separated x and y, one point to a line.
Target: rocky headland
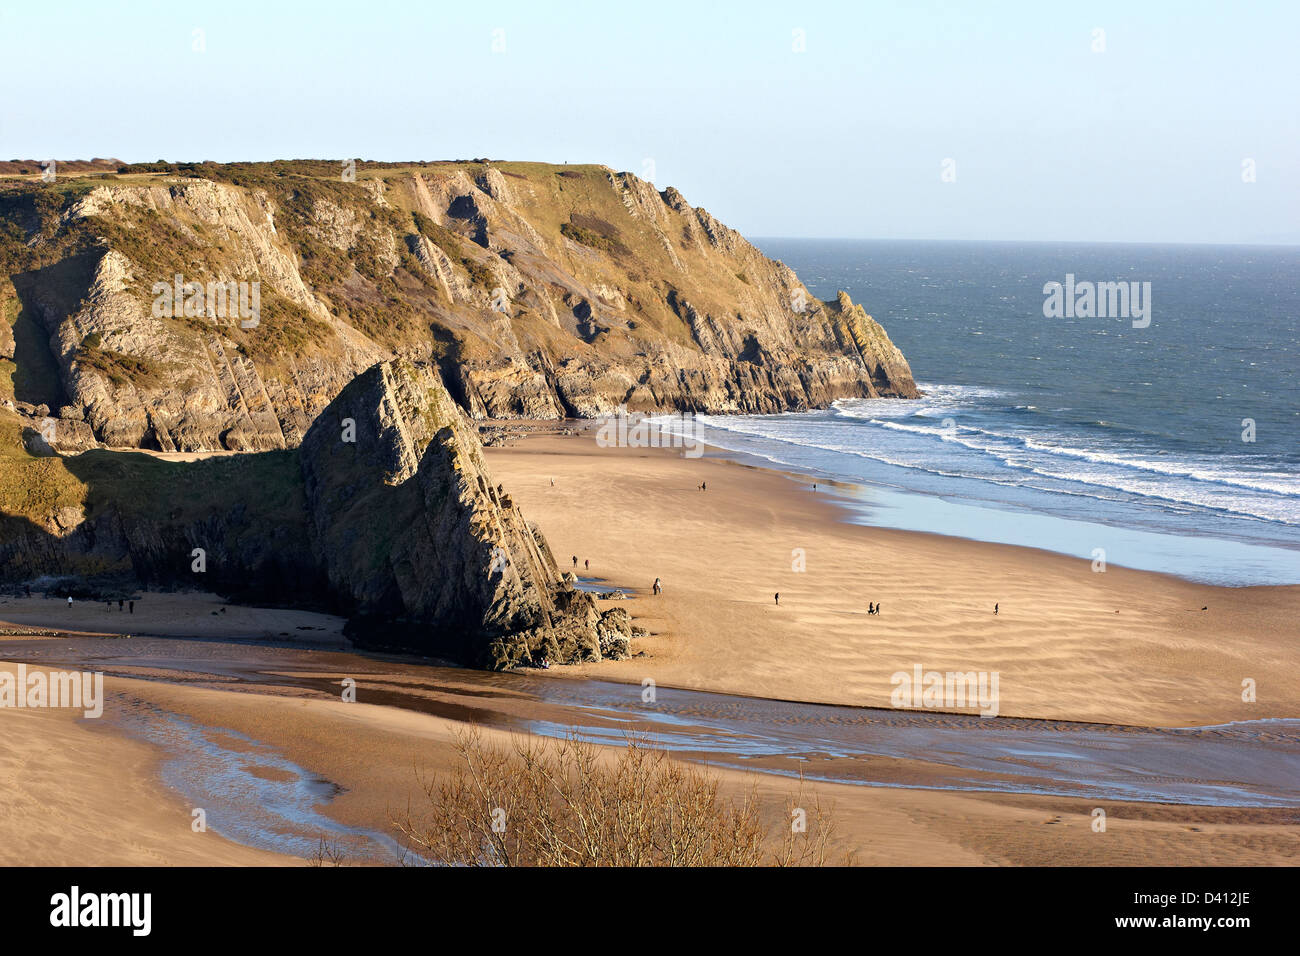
366	321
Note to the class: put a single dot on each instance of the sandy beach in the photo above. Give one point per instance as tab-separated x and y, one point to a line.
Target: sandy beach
1122	647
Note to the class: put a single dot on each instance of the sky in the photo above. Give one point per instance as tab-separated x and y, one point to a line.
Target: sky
1178	122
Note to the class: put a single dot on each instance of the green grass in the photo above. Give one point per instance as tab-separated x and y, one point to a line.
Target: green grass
284	328
118	367
31	487
140	486
454	245
585	237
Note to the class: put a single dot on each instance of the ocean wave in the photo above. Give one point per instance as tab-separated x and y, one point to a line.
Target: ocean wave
1277	483
1007	457
1288	486
937	398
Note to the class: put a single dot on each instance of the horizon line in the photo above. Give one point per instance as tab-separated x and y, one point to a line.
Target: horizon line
1280	244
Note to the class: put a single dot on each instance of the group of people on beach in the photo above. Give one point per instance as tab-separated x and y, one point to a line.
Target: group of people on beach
873	607
108	605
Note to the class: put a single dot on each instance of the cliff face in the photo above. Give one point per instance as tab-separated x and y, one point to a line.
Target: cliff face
385	513
411	529
538	291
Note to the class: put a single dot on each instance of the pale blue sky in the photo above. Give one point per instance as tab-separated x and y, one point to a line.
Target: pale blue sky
1144	142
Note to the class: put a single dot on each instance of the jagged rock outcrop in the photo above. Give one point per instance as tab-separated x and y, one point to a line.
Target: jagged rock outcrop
409	526
540	292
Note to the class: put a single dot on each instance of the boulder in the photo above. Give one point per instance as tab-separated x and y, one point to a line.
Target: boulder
615	632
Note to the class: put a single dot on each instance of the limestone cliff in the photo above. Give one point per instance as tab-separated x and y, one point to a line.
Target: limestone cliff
412	531
538	291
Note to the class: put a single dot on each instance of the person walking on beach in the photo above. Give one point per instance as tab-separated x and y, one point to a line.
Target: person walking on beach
658	587
871	607
132	607
586	564
575	560
877	607
778	598
69	602
995	610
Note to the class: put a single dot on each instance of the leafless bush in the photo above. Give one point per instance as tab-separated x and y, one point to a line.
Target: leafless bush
562	803
328	853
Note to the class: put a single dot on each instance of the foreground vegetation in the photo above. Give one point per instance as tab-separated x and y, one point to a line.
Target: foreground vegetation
567	803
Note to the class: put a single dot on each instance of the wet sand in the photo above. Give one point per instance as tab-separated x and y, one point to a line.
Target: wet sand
80	792
260	737
1247	764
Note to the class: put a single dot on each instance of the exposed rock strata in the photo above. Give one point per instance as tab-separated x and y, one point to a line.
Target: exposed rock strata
540	291
410	528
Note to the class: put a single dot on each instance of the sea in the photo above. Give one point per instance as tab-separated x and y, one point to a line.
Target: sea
1168	441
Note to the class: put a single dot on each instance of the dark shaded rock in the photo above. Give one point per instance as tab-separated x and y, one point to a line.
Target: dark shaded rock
415	535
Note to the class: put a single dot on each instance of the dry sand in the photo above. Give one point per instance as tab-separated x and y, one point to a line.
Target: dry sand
1121	646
